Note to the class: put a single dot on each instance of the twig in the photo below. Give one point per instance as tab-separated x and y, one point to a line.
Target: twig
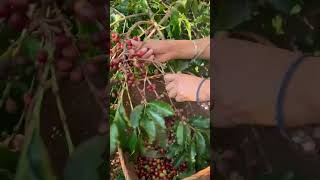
128	17
63	118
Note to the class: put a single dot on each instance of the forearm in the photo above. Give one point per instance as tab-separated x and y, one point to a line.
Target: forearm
247	81
185	49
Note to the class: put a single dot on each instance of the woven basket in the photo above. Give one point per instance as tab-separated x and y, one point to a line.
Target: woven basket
129	172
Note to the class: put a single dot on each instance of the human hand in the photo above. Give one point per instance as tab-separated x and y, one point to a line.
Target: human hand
183	87
157	50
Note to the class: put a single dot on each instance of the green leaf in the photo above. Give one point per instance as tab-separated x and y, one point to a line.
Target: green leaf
187	24
34	164
193	152
87	159
156	117
231	13
114	134
296	9
277	24
180	134
149	128
187	135
135	115
200	122
162	138
133	141
122	113
151	154
30	46
179	160
201	145
163	108
194	7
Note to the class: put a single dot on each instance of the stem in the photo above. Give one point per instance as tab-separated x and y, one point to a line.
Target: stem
128	17
5	93
127	89
55	90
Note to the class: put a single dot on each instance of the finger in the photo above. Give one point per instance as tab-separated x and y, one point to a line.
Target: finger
131	52
169	77
172	93
135	43
151	58
141	52
148	54
170	86
180	98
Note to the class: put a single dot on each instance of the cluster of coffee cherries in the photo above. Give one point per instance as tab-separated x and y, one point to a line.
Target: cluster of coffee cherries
15	13
11	106
157	168
115	166
130	65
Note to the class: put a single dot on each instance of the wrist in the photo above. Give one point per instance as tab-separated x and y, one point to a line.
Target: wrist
182	49
204	92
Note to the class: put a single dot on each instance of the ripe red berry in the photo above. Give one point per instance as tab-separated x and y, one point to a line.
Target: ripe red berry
139	54
19	5
62	41
85	11
115	37
76	75
18	21
4	11
42	56
129	43
27	99
82	45
120	45
136	38
70	52
63	65
91	68
11	106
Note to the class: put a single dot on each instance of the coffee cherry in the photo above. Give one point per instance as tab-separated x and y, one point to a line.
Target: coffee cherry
76	75
27	99
115	37
42	56
91	68
18	21
82	45
4	11
19	5
64	65
70	52
139	54
85	11
62	41
10	106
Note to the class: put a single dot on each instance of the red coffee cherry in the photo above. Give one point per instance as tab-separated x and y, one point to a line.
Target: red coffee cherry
11	106
18	21
64	65
42	56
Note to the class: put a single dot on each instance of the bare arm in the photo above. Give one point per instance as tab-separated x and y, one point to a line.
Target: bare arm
247	78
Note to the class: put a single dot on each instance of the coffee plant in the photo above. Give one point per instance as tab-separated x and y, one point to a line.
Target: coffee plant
144	122
42	44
